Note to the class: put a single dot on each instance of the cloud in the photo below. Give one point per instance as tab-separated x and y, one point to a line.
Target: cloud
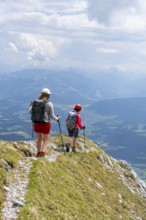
76	33
103	10
107	50
13	47
123	15
37	49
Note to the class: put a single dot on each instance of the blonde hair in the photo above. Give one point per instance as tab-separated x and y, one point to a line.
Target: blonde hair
44	95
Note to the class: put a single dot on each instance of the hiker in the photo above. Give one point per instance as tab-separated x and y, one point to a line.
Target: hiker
42	124
73	123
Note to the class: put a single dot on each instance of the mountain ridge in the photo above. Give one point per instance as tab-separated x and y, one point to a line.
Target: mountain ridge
87	185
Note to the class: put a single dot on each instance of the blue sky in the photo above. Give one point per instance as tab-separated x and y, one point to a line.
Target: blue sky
90	34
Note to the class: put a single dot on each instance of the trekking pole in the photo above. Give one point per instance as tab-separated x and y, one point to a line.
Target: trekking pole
84	140
32	131
61	135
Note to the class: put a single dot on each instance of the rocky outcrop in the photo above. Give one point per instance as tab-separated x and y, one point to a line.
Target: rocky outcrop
126	173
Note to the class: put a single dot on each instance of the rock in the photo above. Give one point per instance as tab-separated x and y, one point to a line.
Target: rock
133	213
15	144
102	158
98	185
120	201
130	178
52	145
16	190
103	194
89	179
125	164
5	164
120	197
53	157
18	203
106	160
7	189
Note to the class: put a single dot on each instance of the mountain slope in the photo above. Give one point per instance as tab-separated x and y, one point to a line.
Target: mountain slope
66	86
86	186
119	127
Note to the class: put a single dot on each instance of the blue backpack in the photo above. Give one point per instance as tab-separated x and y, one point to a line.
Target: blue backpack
71	120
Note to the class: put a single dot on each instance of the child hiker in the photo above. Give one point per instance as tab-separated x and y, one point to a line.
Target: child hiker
73	123
41	111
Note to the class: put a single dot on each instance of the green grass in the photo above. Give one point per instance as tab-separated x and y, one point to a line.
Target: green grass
10	154
67	190
76	186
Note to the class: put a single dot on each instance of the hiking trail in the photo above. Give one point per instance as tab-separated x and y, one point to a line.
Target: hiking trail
18	180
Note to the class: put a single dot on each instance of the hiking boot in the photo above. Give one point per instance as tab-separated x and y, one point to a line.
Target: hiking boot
40	154
67	147
74	149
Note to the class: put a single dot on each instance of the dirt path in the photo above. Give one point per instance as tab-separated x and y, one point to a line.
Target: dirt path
18	180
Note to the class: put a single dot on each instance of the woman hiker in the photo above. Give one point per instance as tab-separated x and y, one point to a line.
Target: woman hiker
42	126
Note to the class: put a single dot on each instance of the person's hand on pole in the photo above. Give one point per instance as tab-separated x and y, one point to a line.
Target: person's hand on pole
82	128
58	118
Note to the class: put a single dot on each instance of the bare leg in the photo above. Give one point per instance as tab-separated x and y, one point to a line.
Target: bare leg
69	140
74	145
74	142
39	142
45	142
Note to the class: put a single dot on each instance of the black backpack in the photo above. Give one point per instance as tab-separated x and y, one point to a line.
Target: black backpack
39	114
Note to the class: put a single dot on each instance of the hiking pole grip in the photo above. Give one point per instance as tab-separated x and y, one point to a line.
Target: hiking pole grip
58	119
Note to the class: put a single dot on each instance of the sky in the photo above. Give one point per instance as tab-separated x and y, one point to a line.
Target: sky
84	34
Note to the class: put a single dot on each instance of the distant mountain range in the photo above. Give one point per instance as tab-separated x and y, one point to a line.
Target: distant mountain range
66	87
70	86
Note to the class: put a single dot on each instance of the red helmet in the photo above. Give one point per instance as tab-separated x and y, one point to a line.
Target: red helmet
78	107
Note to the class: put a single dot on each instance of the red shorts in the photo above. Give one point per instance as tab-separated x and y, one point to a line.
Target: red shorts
42	128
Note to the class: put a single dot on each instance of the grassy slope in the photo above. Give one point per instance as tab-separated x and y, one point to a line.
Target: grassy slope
69	189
